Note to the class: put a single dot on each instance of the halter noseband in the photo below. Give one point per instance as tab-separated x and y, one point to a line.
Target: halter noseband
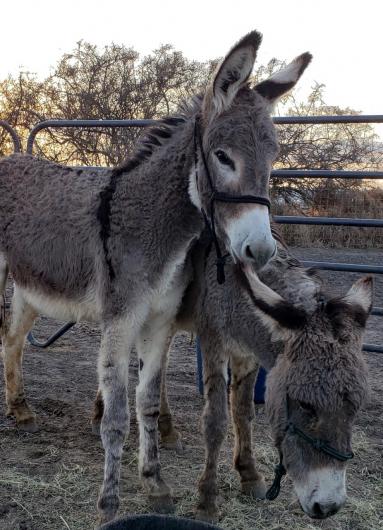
220	197
318	444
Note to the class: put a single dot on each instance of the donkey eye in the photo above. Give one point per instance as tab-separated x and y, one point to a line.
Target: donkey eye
224	159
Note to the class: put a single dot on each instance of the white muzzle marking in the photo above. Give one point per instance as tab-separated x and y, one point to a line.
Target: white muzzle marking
322	492
250	237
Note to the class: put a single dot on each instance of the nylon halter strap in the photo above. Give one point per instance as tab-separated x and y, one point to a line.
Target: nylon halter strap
318	444
219	197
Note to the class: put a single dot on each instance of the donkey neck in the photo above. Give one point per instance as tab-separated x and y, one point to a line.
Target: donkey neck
161	181
150	209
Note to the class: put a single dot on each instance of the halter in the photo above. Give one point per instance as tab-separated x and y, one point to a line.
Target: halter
318	444
220	197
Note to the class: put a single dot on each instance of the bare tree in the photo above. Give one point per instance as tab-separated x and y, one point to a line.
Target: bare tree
116	82
21	105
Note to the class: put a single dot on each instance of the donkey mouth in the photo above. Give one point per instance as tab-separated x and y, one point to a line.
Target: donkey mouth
318	512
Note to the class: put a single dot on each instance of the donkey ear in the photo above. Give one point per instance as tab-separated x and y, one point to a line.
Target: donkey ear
351	309
278	84
233	72
281	318
361	293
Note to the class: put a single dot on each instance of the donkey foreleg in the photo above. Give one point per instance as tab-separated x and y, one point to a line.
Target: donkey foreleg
170	437
98	411
113	370
214	422
21	321
244	374
152	347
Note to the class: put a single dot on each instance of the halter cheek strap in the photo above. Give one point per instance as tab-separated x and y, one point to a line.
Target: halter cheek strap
279	472
218	196
319	444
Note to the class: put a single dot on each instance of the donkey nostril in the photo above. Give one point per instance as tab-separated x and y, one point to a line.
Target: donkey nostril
317	510
320	511
248	252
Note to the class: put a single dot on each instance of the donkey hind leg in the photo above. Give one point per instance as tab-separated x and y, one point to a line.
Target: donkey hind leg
170	437
214	422
21	321
151	348
113	370
244	374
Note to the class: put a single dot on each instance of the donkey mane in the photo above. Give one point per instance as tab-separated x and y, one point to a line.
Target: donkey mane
156	135
153	138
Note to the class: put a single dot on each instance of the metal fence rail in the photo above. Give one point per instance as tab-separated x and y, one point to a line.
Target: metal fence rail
13	134
336	221
84	124
279	173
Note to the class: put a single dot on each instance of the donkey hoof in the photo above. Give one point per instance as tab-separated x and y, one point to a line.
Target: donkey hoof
254	488
28	425
107	506
102	519
162	503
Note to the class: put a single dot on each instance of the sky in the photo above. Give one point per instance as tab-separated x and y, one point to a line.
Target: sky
343	35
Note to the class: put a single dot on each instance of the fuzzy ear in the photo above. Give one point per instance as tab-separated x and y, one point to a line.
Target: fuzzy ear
354	307
361	293
280	317
278	84
233	72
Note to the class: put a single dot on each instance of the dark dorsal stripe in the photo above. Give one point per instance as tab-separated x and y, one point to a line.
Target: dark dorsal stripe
104	210
151	140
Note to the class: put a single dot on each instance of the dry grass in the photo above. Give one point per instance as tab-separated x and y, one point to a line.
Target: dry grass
364	204
67	498
50	480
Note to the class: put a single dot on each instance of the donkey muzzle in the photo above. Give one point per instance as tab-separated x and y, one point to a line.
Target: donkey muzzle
323	492
250	237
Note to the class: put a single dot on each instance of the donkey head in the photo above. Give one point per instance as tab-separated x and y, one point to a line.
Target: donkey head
237	148
315	388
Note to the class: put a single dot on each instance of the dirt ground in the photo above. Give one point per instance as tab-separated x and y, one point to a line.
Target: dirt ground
50	479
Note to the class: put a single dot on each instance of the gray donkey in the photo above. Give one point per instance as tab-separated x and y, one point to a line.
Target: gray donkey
110	246
318	379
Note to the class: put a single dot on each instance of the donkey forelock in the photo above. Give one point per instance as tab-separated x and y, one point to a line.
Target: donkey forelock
322	371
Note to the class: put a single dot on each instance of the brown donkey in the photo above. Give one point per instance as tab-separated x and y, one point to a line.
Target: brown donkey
317	381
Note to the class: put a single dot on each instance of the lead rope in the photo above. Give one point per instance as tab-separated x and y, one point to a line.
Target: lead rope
280	471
